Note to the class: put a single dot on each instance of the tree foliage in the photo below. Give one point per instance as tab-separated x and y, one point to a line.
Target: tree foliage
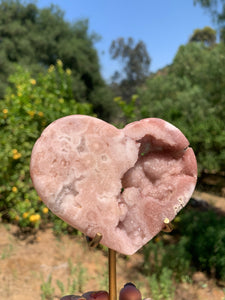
36	38
191	95
207	35
217	10
216	7
135	61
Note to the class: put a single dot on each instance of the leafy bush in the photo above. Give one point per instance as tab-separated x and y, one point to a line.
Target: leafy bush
28	107
198	243
205	241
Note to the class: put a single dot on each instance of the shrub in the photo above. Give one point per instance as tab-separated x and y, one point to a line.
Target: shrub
28	107
198	243
205	240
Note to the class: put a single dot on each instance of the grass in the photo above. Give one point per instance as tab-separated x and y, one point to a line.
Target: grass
162	286
104	279
75	282
47	289
7	251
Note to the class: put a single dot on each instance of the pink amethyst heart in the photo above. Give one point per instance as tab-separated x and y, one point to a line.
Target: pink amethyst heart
121	183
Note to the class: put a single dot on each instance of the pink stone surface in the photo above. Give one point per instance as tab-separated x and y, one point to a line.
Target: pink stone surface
121	183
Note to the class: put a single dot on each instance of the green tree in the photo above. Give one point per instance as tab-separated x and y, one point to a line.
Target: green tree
36	38
191	95
217	10
207	35
135	61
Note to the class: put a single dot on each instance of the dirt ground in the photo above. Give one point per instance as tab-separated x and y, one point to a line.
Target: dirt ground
28	261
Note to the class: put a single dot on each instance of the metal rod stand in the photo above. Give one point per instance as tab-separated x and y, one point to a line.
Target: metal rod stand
112	274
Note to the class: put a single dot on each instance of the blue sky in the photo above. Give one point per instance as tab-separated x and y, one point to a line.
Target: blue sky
163	25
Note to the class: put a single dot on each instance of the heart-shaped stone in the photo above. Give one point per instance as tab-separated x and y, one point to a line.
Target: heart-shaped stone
121	183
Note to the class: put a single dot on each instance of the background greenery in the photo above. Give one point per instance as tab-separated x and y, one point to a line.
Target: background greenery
191	94
49	68
28	107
